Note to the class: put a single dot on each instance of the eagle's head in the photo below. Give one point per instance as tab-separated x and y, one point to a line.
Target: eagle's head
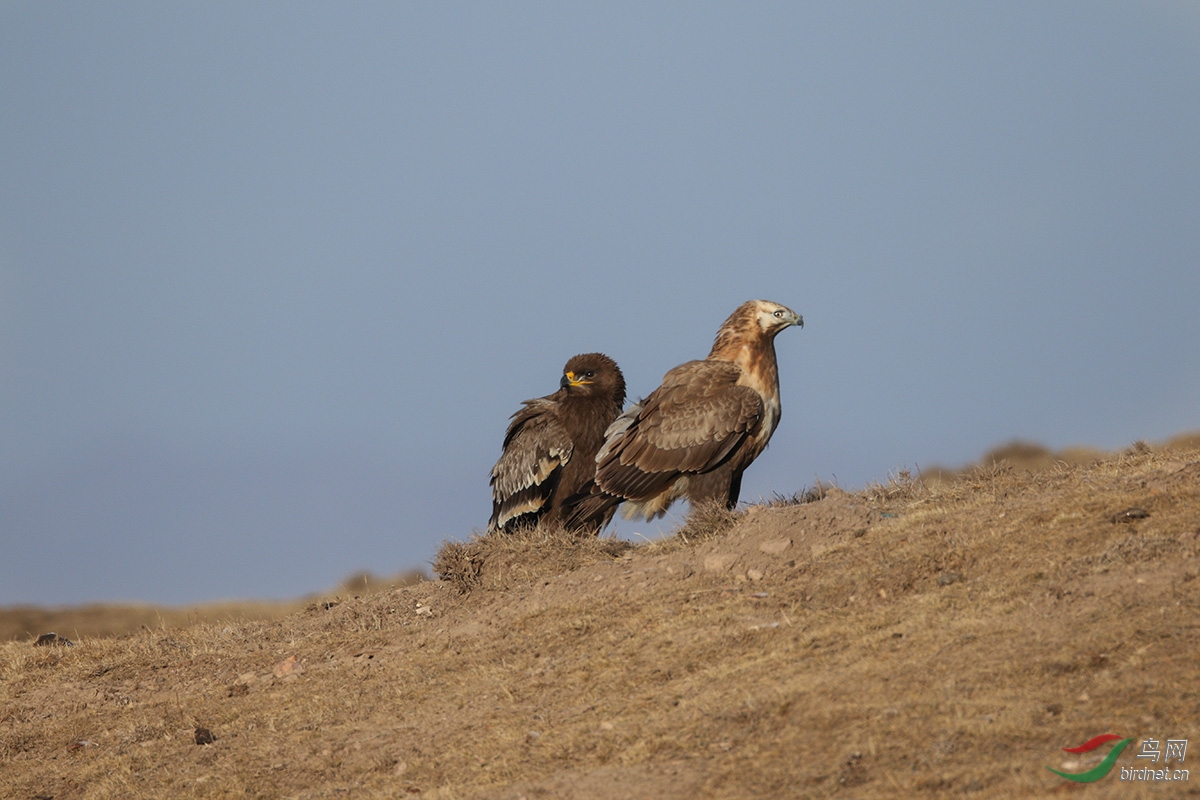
772	317
754	321
594	374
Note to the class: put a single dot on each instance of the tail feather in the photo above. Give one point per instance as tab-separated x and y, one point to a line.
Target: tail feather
590	509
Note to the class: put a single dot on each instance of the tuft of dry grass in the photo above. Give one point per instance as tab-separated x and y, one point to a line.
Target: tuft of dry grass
497	560
807	495
901	487
706	521
460	564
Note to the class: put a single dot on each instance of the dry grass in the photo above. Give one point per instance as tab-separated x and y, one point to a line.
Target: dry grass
916	639
704	522
500	560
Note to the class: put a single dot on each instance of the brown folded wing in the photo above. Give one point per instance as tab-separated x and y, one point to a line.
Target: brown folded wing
690	424
536	447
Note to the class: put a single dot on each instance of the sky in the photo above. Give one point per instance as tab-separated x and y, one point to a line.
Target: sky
273	276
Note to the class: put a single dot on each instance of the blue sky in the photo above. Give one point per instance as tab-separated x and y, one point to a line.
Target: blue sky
273	276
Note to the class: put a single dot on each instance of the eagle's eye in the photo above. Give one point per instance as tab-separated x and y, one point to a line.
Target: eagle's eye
590	374
779	314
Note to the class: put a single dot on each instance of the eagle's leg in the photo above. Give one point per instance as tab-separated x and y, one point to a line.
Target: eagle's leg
722	486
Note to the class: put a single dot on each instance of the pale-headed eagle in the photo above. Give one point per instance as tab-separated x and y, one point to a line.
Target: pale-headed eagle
550	446
696	434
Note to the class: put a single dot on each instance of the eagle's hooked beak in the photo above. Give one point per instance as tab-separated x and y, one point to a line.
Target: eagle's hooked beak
788	317
570	379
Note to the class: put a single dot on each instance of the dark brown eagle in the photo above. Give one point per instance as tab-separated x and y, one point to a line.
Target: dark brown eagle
550	446
694	435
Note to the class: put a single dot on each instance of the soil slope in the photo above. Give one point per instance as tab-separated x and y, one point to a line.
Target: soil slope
910	640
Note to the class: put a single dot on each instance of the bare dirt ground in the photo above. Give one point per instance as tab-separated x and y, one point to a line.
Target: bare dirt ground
940	638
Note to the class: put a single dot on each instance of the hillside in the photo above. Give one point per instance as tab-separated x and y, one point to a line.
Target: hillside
114	619
918	639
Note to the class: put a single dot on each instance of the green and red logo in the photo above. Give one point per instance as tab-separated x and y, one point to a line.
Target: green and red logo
1104	767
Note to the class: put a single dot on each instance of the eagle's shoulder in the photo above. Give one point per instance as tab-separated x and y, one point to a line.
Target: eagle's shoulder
705	374
536	443
700	401
538	416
